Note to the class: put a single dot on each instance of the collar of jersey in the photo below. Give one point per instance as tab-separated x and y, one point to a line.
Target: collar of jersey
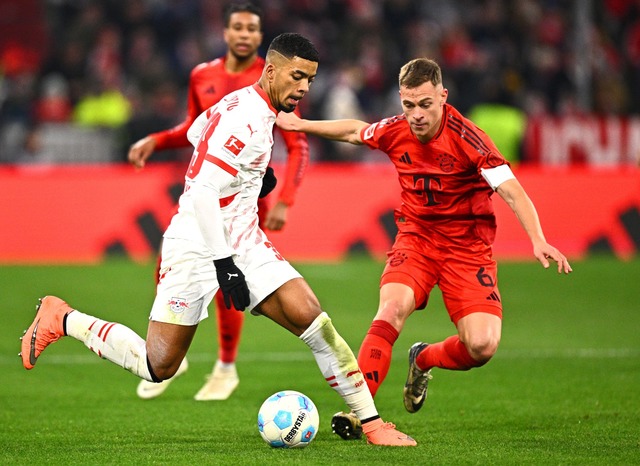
265	97
443	121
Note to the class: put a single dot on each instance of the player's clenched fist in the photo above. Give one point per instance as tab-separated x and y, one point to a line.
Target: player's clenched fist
232	283
141	151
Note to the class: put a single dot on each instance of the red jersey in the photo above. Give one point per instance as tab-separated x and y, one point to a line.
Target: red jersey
209	82
443	190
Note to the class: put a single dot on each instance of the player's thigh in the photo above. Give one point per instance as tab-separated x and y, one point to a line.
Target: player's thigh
293	306
265	271
480	329
410	265
469	285
186	286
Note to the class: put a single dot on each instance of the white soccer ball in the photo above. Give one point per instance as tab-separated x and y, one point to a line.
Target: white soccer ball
288	419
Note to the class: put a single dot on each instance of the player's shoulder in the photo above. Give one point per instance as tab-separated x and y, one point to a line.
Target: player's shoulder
458	126
243	106
207	67
251	96
456	121
390	125
394	123
465	135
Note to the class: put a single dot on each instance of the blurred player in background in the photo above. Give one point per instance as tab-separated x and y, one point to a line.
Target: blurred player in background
214	242
448	169
209	82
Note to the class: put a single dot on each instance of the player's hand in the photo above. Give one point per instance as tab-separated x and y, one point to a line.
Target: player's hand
276	217
269	182
287	121
140	151
232	284
545	251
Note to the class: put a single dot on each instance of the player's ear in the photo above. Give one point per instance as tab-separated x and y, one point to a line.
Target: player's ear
270	71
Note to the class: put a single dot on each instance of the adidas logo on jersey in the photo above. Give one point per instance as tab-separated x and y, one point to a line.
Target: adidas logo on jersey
405	158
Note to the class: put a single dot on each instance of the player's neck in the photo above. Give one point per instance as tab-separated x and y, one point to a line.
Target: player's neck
264	84
234	64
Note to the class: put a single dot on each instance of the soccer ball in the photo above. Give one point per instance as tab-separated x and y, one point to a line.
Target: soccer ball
288	419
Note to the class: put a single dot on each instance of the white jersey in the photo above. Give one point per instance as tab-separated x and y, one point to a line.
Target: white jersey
233	142
218	212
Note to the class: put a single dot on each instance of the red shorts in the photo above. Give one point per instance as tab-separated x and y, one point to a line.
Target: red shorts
467	277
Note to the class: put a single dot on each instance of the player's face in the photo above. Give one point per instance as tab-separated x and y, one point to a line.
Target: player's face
243	35
422	106
291	81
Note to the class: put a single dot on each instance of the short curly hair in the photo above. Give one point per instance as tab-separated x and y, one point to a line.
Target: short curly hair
291	44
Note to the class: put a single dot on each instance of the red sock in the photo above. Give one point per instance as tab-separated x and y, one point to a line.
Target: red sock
229	328
448	354
374	357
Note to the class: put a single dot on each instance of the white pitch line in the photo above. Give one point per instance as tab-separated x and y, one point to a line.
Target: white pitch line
300	356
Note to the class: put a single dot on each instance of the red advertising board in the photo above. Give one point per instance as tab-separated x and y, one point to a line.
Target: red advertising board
77	213
593	140
82	213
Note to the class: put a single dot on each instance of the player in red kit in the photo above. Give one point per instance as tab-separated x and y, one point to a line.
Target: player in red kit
448	169
209	82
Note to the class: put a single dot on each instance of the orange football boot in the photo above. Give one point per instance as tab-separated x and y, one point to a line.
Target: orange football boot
379	432
46	328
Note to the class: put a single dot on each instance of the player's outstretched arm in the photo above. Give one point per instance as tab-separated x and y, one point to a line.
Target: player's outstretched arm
141	150
337	130
297	163
515	196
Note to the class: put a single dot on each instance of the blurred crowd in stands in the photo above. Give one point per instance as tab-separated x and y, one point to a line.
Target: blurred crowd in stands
124	65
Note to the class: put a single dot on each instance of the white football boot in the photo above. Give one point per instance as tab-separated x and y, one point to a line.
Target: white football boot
147	390
220	384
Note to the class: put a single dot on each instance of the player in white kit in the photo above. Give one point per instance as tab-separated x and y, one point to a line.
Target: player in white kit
214	241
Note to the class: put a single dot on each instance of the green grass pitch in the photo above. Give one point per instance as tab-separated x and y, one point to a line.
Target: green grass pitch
564	387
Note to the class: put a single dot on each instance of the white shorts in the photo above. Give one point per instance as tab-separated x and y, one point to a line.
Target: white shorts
188	280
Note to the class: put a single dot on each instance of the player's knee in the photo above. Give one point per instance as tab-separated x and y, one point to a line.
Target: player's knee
394	312
163	369
165	372
482	348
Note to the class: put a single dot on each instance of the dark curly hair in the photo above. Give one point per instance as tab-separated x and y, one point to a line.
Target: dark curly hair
291	44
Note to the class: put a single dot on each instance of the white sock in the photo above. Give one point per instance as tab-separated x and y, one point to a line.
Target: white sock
339	366
111	341
225	366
